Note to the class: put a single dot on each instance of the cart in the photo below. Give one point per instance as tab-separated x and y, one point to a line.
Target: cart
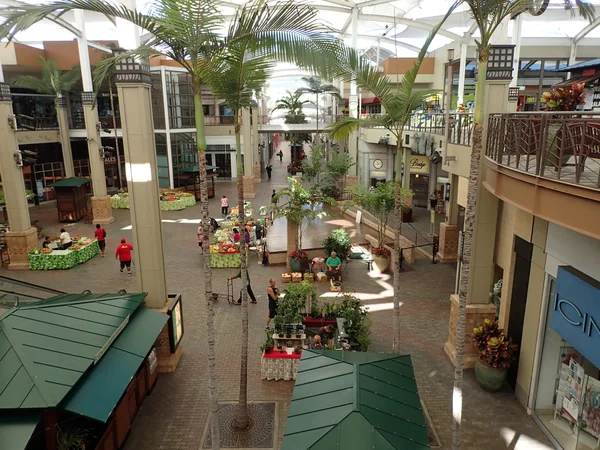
228	296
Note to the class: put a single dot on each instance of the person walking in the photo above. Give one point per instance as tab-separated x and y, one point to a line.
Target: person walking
123	254
280	154
248	287
224	205
269	170
273	294
100	234
274	198
201	237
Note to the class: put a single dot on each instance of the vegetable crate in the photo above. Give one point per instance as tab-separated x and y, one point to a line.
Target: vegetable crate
296	277
286	278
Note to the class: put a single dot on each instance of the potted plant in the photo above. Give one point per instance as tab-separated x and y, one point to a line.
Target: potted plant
298	350
280	348
268	345
356	321
496	354
338	241
381	258
406	212
296	258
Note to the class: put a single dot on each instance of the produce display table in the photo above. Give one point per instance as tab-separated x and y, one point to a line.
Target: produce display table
225	260
63	259
279	366
121	202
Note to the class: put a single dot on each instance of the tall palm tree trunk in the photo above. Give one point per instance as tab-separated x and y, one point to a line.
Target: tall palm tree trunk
474	171
210	313
397	253
241	417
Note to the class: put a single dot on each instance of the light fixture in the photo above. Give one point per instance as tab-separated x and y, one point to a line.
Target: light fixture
450	54
101	152
12	122
18	158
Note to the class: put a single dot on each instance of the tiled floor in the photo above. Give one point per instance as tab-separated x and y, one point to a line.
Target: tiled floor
174	416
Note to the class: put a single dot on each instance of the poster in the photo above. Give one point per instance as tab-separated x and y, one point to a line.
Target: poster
177	324
590	419
573	396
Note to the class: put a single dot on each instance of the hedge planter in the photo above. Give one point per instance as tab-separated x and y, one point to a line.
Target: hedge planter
489	378
381	262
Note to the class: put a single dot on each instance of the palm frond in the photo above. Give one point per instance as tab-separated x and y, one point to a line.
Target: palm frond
343	128
69	79
34	83
106	66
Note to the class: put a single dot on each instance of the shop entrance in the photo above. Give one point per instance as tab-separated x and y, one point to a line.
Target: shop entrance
419	183
223	162
523	250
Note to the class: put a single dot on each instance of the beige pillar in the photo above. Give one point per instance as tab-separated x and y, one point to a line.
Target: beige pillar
133	86
482	249
101	208
65	140
448	230
255	141
406	154
248	155
21	238
352	152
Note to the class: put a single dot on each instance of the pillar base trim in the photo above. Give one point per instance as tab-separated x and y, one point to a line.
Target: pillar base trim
102	211
476	314
448	243
20	243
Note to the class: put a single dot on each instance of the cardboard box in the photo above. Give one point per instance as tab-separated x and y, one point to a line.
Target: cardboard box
286	278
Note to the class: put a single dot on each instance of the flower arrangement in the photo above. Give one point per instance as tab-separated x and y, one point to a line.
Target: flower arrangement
298	254
564	99
381	251
495	349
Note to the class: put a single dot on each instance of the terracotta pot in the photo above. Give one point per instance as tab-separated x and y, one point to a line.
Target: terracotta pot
381	262
490	378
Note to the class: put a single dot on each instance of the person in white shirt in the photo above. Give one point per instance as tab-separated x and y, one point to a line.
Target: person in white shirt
65	239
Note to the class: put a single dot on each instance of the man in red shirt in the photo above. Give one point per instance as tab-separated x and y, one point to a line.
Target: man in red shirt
100	234
123	254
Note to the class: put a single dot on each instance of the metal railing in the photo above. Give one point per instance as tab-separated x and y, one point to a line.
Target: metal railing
324	120
563	146
29	123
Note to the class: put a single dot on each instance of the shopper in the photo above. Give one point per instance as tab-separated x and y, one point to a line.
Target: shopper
65	239
248	287
274	198
201	237
236	235
46	242
123	254
280	154
100	234
247	236
269	170
224	205
273	294
333	264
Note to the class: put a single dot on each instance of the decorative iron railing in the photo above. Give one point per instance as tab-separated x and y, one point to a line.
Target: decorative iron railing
29	123
563	146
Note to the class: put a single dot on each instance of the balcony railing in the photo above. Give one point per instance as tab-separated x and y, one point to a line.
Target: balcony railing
461	125
562	146
29	123
269	120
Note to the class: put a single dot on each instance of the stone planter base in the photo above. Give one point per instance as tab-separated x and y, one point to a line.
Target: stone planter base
102	210
381	262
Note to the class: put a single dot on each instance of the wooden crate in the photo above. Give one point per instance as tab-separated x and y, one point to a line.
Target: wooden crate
309	277
286	278
296	277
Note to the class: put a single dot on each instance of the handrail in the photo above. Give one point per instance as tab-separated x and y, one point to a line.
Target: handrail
561	146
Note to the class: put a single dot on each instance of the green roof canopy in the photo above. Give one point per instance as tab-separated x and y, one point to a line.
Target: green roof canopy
99	392
46	347
70	182
17	427
349	400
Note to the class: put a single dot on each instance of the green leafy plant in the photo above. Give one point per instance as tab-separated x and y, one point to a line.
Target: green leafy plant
564	99
298	349
494	348
356	320
316	310
73	439
330	310
338	241
336	171
313	166
268	345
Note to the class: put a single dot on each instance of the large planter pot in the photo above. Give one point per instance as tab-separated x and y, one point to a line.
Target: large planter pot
489	378
295	265
381	262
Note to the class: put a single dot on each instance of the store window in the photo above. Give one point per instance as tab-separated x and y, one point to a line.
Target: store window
158	107
567	402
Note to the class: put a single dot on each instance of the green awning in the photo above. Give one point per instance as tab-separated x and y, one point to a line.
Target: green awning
17	427
70	182
352	400
99	392
47	347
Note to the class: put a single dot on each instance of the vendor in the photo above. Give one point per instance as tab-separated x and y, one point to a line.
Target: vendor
325	334
236	235
334	264
65	239
316	342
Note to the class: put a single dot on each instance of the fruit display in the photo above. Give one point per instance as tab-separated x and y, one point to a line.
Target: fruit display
75	247
169	200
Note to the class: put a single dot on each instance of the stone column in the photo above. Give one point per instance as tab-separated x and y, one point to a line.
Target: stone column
482	249
132	78
448	229
101	209
248	155
255	142
21	238
65	140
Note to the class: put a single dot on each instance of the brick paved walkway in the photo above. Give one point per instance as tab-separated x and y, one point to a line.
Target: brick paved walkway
174	416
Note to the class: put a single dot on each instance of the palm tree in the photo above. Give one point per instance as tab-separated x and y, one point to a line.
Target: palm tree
316	87
291	103
488	15
399	106
57	83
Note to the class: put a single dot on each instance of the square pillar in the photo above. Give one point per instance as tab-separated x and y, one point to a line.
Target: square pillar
256	170
132	78
102	214
448	243
65	140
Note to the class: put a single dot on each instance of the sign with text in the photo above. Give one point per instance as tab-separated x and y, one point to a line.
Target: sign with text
576	312
419	164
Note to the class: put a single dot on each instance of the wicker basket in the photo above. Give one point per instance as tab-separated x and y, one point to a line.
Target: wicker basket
286	278
296	277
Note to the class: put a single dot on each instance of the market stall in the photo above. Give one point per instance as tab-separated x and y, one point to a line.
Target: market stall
280	365
82	250
169	200
224	251
71	200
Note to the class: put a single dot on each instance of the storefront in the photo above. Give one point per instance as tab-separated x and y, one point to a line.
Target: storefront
566	394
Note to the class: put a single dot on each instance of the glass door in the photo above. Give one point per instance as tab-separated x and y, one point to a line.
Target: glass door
223	162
